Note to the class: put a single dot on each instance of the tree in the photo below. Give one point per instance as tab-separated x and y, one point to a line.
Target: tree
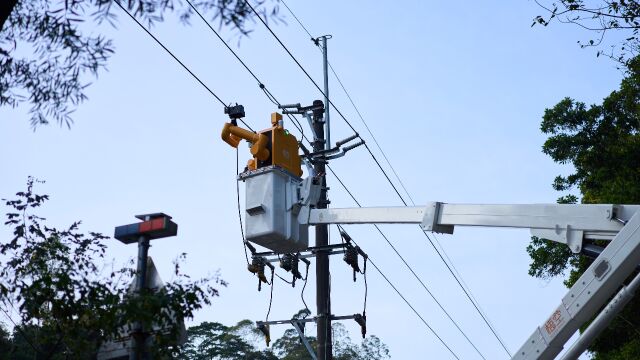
600	17
289	346
602	142
69	300
46	58
211	340
239	342
5	343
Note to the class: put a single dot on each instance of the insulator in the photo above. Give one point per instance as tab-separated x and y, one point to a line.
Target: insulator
362	321
351	258
257	267
264	328
287	262
351	255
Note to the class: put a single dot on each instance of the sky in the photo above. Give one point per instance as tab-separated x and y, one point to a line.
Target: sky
453	92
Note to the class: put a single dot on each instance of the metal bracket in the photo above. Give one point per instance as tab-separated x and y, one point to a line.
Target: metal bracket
271	256
300	330
430	220
573	238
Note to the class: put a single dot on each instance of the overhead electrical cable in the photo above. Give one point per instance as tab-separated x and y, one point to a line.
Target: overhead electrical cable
210	91
410	306
424	286
450	265
171	53
22	333
381	169
269	95
261	85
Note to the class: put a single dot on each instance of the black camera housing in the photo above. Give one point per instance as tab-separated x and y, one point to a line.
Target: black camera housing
235	112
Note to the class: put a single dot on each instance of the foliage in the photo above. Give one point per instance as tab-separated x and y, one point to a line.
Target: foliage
54	280
47	51
602	142
216	341
600	17
5	343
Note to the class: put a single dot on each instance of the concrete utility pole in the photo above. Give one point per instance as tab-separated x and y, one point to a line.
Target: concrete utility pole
325	66
323	291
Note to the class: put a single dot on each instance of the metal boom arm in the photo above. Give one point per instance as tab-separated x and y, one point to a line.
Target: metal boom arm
568	224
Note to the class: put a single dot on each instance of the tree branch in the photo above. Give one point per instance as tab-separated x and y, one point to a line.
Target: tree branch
6	7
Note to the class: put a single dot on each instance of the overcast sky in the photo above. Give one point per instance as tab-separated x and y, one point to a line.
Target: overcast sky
454	93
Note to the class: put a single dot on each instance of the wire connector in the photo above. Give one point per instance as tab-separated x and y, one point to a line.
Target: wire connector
351	253
257	267
290	262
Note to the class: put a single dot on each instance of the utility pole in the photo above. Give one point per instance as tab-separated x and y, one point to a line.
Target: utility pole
323	291
325	65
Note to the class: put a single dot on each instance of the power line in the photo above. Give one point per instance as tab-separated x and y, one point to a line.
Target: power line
299	65
171	53
375	140
298	20
261	85
411	306
376	161
269	95
267	92
424	286
22	333
460	281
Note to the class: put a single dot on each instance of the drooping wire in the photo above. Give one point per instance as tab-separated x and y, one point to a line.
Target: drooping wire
273	272
170	53
411	306
363	272
366	285
455	273
306	277
244	241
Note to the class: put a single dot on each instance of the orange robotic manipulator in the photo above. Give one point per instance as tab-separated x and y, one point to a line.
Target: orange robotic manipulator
272	146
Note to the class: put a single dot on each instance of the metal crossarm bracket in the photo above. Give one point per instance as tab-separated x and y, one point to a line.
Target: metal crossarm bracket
298	324
300	330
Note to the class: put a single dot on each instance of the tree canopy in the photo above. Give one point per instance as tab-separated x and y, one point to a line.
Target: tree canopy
49	50
602	142
211	340
64	299
599	17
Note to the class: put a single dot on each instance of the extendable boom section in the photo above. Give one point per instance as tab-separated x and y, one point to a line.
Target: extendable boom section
567	224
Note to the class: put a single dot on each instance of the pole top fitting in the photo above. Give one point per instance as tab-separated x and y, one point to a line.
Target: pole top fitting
326	37
152	216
